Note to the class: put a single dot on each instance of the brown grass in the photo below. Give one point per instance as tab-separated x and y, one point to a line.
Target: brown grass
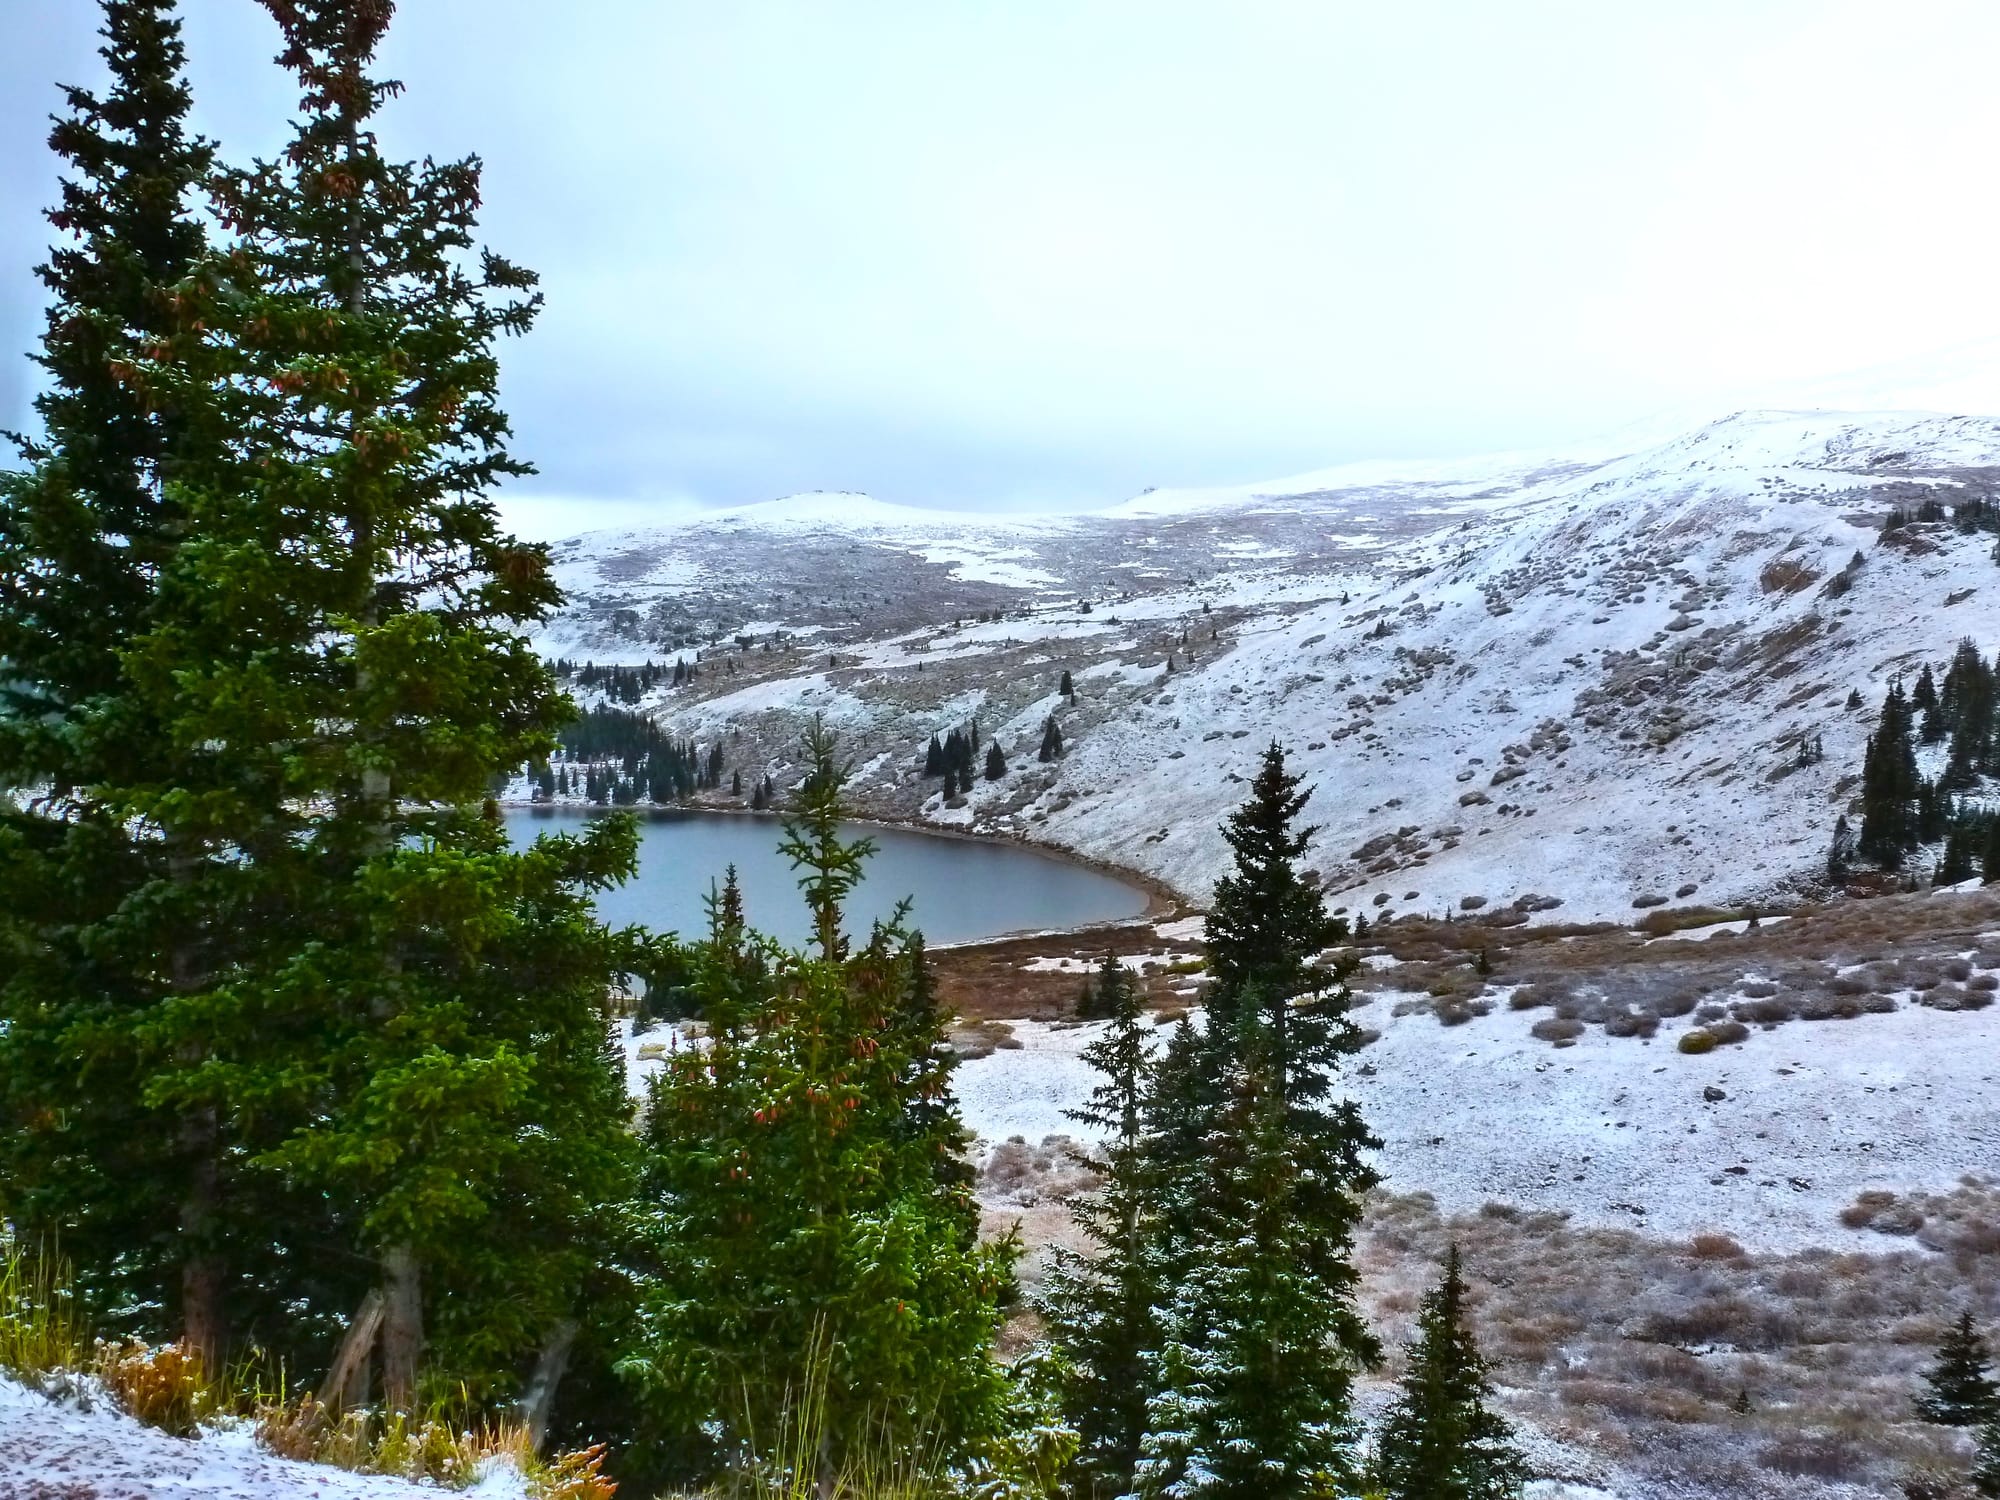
1642	1349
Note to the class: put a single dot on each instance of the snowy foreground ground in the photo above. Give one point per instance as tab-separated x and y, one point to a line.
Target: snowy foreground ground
59	1451
1618	1130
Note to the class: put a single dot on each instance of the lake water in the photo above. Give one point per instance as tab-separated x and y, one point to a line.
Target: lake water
961	890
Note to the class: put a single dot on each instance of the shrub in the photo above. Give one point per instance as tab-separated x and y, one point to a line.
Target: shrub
1728	1032
1631	1023
1816	1455
1758	989
1697	1041
164	1387
1714	1247
1766	1012
1558	1029
1676	1003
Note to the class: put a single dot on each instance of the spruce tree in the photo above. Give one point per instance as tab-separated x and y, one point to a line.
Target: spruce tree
1266	923
1052	741
1439	1440
1960	1388
418	1036
996	762
1273	1011
102	888
1889	786
1985	1474
1066	687
1249	1386
801	1233
1101	1307
1840	851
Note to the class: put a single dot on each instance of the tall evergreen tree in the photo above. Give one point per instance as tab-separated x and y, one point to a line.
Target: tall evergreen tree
1960	1390
996	761
802	1233
1967	703
1249	1386
414	1038
1889	786
102	888
1101	1308
1277	1028
1439	1440
1266	922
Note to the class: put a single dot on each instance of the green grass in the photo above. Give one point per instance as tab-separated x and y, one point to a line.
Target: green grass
42	1329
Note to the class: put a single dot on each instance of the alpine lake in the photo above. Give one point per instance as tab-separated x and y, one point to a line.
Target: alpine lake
960	890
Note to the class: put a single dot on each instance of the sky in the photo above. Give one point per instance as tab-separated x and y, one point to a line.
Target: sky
1049	253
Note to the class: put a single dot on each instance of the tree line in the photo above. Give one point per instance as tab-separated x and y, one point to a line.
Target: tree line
1902	810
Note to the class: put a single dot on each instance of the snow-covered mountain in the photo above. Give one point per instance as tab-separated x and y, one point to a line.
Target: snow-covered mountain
1584	676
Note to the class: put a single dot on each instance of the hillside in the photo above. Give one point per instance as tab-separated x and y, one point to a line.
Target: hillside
1583	678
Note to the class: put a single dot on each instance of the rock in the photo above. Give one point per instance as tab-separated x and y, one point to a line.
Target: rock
1713	1094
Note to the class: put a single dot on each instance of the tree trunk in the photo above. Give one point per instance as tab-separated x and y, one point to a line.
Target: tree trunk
402	1326
204	1274
346	1381
540	1398
204	1278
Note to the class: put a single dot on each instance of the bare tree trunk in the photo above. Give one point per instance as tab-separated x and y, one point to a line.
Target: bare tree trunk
346	1382
540	1397
204	1278
402	1326
204	1274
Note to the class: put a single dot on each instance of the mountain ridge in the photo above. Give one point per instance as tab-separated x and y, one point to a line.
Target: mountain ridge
1581	679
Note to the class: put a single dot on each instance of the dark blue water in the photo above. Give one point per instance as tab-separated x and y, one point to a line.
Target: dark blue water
962	890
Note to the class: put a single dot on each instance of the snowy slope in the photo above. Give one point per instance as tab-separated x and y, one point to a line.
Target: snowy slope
1581	676
52	1450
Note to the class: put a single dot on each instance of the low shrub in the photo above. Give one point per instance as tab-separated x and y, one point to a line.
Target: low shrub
163	1387
1697	1041
1715	1247
1561	1030
1771	1011
1631	1023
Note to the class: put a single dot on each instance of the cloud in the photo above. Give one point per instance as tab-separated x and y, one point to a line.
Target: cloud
1049	253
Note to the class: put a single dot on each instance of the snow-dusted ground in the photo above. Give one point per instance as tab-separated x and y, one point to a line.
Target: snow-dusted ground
1617	1130
58	1450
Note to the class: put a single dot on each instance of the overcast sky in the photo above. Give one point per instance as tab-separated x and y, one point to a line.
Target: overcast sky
1047	254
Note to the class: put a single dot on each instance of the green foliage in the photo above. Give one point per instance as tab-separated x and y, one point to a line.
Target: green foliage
1960	1391
1889	786
1101	1306
1249	1386
1985	1474
42	1328
99	899
286	1004
1210	1347
796	1197
1439	1440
